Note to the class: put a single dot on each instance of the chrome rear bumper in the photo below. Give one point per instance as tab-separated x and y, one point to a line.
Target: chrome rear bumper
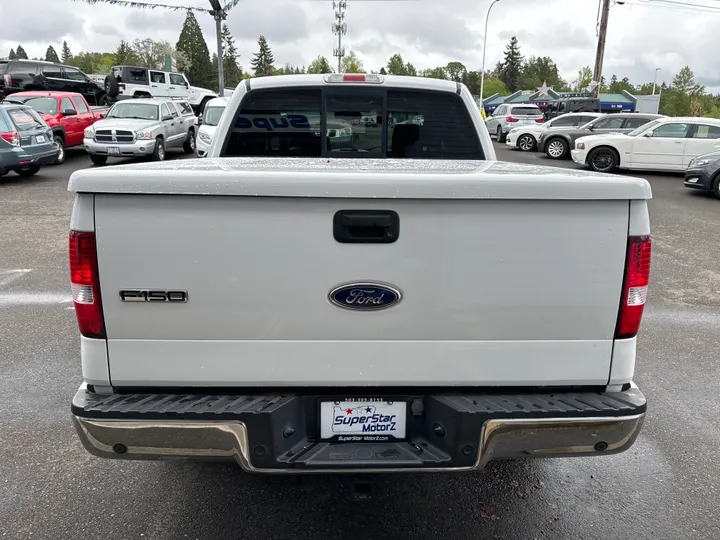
228	440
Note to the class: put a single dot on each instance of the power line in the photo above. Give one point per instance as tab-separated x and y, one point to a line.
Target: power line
680	6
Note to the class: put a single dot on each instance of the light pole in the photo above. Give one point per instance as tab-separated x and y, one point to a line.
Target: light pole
482	74
219	15
655	80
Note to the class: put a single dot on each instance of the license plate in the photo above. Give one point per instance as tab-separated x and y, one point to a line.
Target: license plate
113	150
526	121
363	419
40	139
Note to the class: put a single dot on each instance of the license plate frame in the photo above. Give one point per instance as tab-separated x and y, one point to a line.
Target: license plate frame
379	419
40	139
113	150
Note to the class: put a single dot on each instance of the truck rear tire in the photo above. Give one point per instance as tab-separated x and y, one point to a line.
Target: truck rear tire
61	145
189	146
98	160
159	152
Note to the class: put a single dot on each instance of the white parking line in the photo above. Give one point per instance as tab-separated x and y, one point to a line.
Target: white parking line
8	276
24	299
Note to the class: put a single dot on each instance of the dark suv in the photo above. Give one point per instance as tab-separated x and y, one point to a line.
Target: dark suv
571	105
22	75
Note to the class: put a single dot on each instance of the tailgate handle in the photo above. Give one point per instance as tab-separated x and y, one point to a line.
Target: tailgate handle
366	226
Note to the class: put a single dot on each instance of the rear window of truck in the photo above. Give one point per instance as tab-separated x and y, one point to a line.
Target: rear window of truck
357	122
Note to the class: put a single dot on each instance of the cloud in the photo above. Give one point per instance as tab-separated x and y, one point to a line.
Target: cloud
427	33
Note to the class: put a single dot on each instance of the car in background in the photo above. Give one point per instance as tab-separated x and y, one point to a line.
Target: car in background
26	141
24	75
141	82
571	104
506	117
525	137
142	127
210	119
557	145
665	144
67	113
703	173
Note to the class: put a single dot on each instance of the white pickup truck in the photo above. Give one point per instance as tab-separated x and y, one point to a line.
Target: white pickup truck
394	301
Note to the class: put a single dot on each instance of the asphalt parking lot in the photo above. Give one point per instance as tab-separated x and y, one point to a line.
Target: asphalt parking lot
665	487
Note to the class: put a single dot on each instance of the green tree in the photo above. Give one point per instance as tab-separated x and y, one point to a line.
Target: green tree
351	63
148	54
583	80
617	86
455	71
494	86
539	70
20	52
472	81
684	96
397	66
124	55
383	71
262	61
92	62
12	55
65	53
512	65
435	73
51	55
232	71
195	61
320	65
214	84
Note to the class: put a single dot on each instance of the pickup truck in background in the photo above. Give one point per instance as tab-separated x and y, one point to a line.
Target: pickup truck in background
67	113
397	302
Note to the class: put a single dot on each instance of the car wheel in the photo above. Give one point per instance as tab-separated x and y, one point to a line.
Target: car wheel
159	152
61	146
189	145
30	171
603	160
556	149
499	135
526	143
716	186
98	160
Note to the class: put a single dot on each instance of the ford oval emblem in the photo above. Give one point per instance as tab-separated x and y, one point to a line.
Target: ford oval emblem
365	296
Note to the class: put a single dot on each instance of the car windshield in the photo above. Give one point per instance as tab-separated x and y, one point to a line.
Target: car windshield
637	131
44	105
212	115
140	111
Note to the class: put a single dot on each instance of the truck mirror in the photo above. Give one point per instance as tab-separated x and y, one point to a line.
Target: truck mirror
69	112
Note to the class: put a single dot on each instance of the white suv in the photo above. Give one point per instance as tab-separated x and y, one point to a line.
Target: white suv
140	82
506	117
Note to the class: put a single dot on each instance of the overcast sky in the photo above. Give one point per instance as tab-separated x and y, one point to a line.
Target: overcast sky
643	34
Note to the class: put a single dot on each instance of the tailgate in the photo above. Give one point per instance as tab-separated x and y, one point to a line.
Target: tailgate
498	290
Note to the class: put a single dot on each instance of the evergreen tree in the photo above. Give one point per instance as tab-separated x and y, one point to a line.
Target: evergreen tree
512	65
262	61
20	52
12	55
382	71
320	65
124	55
232	71
351	63
51	55
65	54
196	57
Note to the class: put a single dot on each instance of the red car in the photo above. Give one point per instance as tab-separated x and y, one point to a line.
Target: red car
67	114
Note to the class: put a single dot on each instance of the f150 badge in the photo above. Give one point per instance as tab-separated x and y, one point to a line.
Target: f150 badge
365	296
153	295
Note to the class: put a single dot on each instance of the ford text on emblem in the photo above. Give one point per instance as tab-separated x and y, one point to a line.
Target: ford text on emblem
365	296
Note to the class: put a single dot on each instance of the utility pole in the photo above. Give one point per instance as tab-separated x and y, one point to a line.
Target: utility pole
219	15
339	27
602	35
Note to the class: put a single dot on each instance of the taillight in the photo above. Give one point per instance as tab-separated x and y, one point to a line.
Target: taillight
354	77
8	80
11	137
635	287
511	119
85	284
121	86
540	120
